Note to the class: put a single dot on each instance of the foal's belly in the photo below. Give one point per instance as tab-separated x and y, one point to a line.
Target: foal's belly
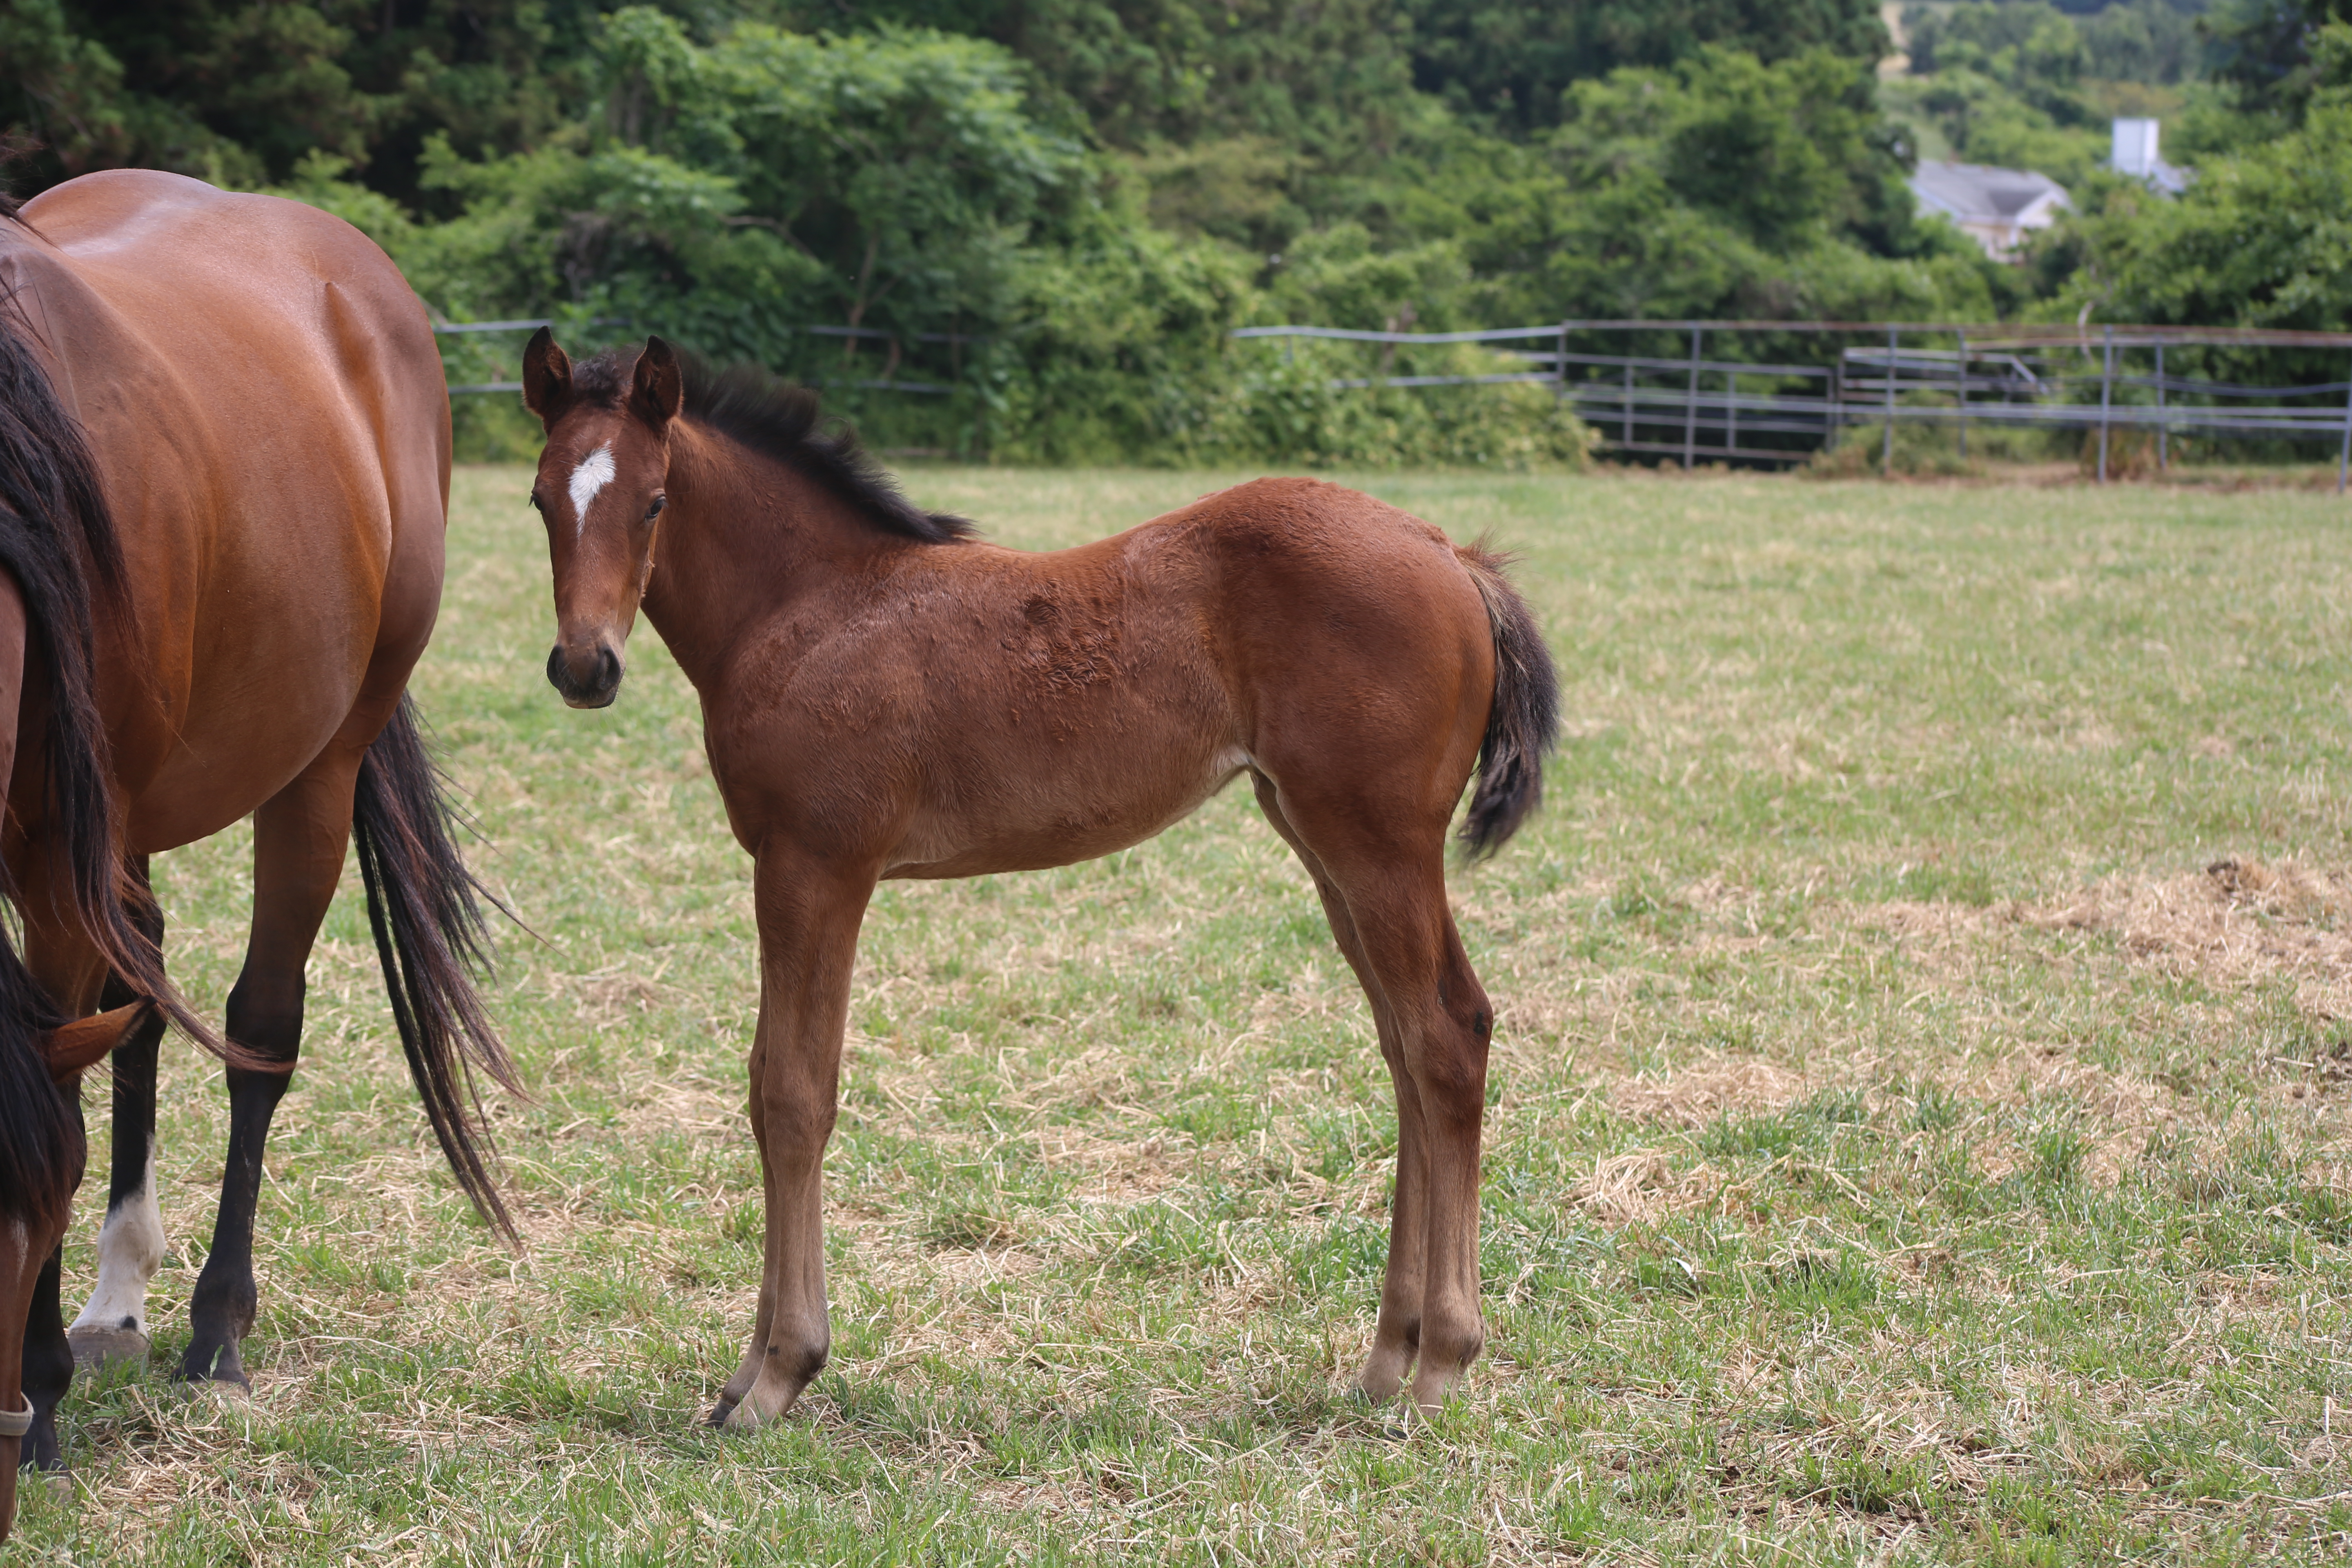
1031	824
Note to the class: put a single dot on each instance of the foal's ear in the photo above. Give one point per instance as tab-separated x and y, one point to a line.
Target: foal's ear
659	388
68	1049
546	377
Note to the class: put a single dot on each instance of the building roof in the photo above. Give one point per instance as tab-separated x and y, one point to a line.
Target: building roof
1974	193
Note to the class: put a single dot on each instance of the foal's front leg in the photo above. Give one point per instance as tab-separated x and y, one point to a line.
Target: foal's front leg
809	913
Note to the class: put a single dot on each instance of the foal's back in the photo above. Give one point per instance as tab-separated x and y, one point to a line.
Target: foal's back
975	709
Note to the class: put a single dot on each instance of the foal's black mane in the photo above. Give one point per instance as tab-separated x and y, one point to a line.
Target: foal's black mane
775	419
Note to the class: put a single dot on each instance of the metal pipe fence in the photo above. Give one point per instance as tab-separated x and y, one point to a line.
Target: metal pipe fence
1784	406
941	389
1809	383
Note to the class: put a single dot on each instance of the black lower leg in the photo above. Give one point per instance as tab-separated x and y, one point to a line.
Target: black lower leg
134	1067
134	1107
48	1368
221	1311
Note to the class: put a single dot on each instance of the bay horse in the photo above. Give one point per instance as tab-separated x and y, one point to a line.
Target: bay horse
224	480
885	695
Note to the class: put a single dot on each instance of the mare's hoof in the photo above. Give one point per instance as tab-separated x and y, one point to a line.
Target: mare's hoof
223	1366
719	1413
96	1348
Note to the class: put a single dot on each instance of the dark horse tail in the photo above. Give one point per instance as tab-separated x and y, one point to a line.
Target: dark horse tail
1524	720
57	543
433	939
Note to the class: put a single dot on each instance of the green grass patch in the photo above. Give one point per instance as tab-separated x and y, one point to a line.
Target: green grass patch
1918	1131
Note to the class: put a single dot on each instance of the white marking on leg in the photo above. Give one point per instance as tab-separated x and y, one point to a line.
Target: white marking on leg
129	1250
595	472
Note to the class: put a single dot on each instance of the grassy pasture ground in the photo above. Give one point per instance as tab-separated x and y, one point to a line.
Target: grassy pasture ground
1918	1131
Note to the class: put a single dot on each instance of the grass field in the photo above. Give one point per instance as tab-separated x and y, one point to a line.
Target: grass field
1918	1130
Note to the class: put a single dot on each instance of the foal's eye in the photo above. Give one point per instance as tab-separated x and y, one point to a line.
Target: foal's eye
654	510
536	503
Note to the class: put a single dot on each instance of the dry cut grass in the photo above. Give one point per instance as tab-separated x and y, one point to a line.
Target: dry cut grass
1919	1128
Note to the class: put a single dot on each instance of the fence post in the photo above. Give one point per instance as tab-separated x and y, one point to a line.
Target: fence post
2163	426
1887	448
1559	365
2344	458
1730	414
1690	406
1833	416
1964	396
1627	405
2106	394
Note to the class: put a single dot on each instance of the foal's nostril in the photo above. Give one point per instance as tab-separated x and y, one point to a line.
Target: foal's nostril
608	670
555	669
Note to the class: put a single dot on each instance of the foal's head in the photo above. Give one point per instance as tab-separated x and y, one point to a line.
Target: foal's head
600	493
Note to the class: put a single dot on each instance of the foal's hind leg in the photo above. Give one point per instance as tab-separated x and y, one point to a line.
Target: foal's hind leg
299	837
113	1322
1396	1333
1435	1024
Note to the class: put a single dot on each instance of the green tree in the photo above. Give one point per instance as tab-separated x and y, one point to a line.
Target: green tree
2261	239
1508	62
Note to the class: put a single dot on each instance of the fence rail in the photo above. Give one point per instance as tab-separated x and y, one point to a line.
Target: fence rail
1701	406
529	324
2055	376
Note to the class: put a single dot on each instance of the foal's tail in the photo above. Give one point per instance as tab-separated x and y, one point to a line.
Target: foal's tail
1525	719
432	941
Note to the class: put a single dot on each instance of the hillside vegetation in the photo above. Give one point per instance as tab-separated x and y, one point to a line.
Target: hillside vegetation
1060	208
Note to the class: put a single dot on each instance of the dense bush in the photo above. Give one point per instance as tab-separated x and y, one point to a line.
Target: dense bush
1053	214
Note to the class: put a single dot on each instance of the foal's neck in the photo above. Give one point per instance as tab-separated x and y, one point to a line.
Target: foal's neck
744	536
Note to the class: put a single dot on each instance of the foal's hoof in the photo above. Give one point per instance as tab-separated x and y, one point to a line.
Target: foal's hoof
719	1413
96	1348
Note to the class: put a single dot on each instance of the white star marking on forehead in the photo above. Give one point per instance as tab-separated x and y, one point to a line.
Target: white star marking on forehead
595	472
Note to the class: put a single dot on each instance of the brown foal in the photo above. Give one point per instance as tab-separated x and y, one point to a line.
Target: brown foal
884	696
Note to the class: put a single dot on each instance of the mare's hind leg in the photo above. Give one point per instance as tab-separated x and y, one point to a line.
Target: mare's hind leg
299	837
113	1322
1388	872
1396	1333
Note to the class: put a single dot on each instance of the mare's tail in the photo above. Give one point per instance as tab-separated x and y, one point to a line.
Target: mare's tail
432	941
1525	719
57	541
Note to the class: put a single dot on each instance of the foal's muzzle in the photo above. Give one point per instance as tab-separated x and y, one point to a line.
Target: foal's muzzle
593	688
